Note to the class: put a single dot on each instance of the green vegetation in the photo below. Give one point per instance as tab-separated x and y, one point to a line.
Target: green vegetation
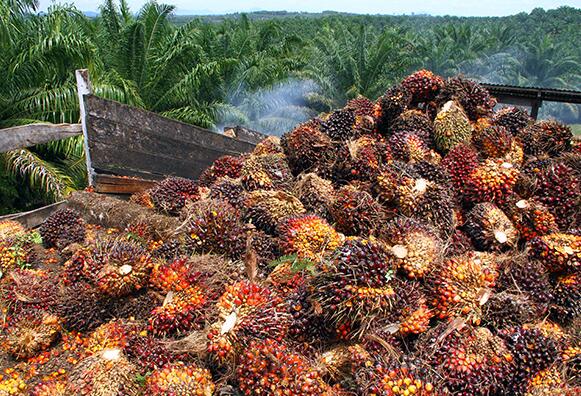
265	70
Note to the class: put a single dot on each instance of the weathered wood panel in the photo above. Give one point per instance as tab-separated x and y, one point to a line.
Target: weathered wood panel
125	140
35	217
108	184
33	134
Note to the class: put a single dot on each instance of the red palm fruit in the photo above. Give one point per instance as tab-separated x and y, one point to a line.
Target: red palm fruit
361	106
355	285
389	106
491	181
340	125
514	119
557	251
396	381
225	166
462	285
307	324
355	212
30	333
269	368
307	149
451	127
411	148
148	353
414	121
288	275
490	229
474	98
268	145
63	227
227	189
531	218
546	137
308	236
213	226
385	184
460	162
415	247
266	208
83	307
110	335
493	141
181	312
246	311
170	195
423	85
180	379
268	172
566	294
105	373
50	388
27	288
176	275
361	158
558	188
142	198
547	383
413	312
315	193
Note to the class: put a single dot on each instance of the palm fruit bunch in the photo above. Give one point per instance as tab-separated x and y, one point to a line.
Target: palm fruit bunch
546	137
307	149
491	181
148	353
10	229
514	119
315	193
268	145
268	367
559	189
549	382
470	360
174	275
413	313
395	380
451	127
181	312
416	122
389	106
213	226
355	285
30	333
355	212
364	110
340	125
308	236
473	98
180	379
558	251
11	383
265	208
30	289
246	311
268	172
170	195
12	255
225	166
423	85
111	335
306	323
493	141
566	293
410	147
105	373
50	388
531	218
462	285
83	307
63	227
459	163
227	189
490	229
415	247
362	158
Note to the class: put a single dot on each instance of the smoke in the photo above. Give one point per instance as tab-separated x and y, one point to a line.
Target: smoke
273	110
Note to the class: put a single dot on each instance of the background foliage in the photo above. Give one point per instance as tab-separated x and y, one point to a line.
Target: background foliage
268	71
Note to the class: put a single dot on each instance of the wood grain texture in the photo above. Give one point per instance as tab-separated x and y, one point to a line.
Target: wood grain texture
33	134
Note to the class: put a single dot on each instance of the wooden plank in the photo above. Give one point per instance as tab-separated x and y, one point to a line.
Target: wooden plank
36	217
109	184
33	134
127	140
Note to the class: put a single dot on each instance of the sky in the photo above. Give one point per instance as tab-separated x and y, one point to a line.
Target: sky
434	7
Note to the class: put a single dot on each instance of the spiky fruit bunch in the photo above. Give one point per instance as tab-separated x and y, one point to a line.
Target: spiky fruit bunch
180	379
409	147
356	212
12	255
308	237
361	158
415	247
558	251
548	382
225	166
29	289
83	307
355	285
315	193
389	106
269	145
514	119
427	201
361	106
546	137
559	189
566	297
288	274
170	195
471	360
10	229
385	184
521	275
142	198
432	172
30	333
148	353
227	189
110	335
181	311
213	226
423	85
451	127
266	208
307	324
176	275
106	373
414	121
475	99
531	218
413	312
246	311
50	388
269	368
307	149
491	181
340	125
490	229
397	381
533	352
462	285
63	227
493	141
460	162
